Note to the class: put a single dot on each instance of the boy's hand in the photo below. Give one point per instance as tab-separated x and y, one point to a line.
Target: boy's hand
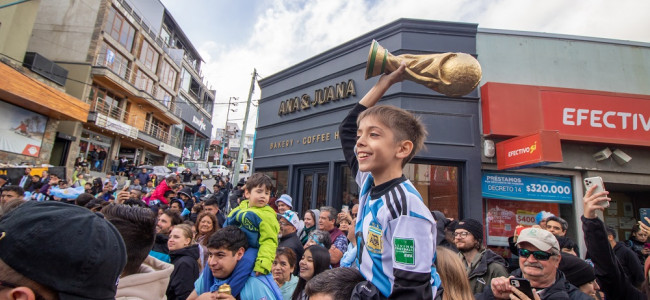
385	81
393	77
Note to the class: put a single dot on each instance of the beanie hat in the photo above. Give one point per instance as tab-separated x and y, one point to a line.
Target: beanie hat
576	270
286	199
474	227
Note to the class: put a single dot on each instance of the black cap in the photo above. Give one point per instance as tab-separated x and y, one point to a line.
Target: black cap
576	270
474	227
241	182
75	252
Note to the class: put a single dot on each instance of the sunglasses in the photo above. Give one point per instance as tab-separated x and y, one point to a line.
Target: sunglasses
538	255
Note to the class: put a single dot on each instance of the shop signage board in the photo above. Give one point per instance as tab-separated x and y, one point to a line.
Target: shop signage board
527	187
169	149
116	126
578	115
531	150
195	119
503	216
21	130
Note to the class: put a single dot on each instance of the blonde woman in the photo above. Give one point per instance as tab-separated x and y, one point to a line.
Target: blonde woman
455	285
184	255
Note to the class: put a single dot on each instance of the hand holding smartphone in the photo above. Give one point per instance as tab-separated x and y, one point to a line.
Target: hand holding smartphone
600	187
523	285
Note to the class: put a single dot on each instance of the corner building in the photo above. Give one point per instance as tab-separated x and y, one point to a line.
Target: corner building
298	142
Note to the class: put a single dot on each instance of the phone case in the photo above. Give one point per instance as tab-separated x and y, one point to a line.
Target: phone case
600	186
523	285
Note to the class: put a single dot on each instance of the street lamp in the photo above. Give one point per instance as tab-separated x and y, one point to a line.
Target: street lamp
225	128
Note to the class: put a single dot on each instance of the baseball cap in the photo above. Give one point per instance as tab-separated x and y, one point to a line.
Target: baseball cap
540	238
68	248
286	199
292	218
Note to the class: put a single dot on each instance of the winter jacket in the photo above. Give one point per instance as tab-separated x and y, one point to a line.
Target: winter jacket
291	241
637	247
160	250
486	266
609	272
260	224
186	271
561	289
149	283
630	263
159	192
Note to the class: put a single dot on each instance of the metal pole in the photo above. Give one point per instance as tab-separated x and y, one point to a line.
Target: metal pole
225	131
235	178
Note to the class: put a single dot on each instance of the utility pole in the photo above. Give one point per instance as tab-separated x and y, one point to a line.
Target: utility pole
225	129
235	177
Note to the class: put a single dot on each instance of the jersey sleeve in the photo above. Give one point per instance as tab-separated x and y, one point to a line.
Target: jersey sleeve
348	135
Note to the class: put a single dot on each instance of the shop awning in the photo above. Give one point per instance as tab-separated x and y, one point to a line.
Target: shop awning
31	94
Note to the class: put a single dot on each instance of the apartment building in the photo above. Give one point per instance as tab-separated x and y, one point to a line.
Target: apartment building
130	61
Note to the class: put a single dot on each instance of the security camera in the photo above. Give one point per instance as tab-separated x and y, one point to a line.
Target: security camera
621	157
488	148
602	154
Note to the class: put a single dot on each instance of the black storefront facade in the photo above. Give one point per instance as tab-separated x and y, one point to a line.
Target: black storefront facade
197	131
298	142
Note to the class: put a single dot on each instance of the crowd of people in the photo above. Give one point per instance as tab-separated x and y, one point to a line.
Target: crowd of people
157	239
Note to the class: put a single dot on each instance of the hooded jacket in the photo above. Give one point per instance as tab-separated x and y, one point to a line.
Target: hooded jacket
490	265
150	283
159	192
561	289
186	271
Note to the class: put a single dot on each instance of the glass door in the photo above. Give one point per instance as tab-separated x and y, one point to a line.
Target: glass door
312	189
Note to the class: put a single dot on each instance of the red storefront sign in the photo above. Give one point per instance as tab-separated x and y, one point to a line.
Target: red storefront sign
531	150
578	115
503	216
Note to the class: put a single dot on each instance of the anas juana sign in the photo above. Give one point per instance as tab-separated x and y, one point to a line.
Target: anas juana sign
342	90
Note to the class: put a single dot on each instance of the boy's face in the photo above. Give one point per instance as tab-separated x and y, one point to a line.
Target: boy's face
258	196
376	146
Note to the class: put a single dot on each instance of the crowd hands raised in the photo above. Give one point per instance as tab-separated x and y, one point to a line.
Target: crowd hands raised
157	239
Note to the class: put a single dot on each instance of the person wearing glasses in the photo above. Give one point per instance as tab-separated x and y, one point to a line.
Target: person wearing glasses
539	259
481	264
288	237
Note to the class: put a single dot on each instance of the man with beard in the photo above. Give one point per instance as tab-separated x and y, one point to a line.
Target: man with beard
164	226
539	258
481	264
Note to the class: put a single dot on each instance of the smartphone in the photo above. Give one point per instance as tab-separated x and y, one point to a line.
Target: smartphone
345	209
523	285
600	186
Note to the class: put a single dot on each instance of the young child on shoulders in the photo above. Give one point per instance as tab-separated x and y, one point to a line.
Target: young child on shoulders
395	230
258	220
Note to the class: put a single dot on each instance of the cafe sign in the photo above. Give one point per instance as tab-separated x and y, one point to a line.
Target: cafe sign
342	90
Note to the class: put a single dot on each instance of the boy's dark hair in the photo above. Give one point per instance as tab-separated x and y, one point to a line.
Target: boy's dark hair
83	199
258	179
405	126
229	237
137	225
338	283
563	223
611	231
14	188
167	193
212	201
181	205
176	217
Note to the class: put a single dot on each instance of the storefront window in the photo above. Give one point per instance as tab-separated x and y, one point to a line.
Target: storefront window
280	178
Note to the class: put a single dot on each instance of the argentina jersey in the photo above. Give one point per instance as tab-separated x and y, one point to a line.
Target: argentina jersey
395	234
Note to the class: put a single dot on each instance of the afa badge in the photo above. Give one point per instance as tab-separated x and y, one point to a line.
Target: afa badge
373	242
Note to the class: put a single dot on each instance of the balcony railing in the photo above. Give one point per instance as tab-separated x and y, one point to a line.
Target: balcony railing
99	105
120	69
157	132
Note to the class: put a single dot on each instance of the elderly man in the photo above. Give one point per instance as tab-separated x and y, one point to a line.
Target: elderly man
539	258
326	222
289	226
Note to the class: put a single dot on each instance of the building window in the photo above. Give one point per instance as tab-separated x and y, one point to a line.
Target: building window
118	28
164	97
208	103
280	178
167	74
109	57
143	82
107	103
149	56
186	80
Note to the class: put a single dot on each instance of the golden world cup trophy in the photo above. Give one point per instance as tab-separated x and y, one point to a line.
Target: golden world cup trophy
451	74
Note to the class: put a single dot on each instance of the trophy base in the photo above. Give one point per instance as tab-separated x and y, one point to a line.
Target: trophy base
376	64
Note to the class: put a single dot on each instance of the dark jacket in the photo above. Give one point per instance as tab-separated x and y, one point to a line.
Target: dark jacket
144	177
609	272
160	250
637	247
292	241
490	265
561	289
630	263
186	271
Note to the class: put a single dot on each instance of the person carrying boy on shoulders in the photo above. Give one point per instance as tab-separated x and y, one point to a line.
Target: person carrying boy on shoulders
258	220
395	230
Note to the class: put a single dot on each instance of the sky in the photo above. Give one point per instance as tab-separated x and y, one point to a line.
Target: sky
235	36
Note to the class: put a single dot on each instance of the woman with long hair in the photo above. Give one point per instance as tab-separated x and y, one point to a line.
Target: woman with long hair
184	255
206	225
282	270
315	260
310	219
637	242
454	282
